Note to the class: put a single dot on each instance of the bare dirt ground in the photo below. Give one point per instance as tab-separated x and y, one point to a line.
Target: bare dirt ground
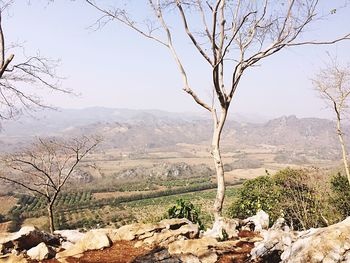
120	252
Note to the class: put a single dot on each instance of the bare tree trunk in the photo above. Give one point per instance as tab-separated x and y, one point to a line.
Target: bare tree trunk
50	215
343	148
219	167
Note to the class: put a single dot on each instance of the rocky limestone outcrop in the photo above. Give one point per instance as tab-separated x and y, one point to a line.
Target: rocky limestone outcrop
161	233
329	244
92	240
25	239
207	249
170	240
179	240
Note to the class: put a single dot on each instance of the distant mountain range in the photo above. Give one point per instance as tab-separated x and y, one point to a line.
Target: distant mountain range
133	129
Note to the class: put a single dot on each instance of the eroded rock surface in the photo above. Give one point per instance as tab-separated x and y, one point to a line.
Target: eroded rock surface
25	239
92	240
328	245
224	228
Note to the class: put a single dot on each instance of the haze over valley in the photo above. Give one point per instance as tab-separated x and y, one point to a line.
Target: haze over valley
139	144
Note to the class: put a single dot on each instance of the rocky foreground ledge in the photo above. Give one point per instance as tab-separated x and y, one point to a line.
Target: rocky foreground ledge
179	240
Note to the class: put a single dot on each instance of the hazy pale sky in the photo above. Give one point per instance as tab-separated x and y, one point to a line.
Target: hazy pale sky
115	67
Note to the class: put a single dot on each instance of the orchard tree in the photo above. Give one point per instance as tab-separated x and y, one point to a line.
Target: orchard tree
45	167
18	76
333	84
230	35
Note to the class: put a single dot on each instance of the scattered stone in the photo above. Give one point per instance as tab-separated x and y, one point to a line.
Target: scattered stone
41	252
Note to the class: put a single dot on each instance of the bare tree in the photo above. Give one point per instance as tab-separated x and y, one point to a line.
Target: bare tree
46	166
231	36
333	84
16	76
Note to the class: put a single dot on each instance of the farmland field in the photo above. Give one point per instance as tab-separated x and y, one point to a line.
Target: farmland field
126	187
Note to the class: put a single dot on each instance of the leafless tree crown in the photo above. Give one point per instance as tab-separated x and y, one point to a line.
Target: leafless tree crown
44	167
17	76
333	84
230	35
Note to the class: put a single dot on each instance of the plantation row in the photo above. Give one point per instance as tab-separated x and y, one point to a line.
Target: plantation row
34	206
28	203
149	185
134	211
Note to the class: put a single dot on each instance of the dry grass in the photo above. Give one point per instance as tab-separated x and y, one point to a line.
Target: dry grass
6	203
39	222
4	227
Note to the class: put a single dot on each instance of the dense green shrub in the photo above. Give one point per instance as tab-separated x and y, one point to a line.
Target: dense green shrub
291	193
185	209
257	194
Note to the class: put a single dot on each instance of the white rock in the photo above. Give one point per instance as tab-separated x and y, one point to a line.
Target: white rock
260	220
40	252
222	225
328	244
93	240
72	236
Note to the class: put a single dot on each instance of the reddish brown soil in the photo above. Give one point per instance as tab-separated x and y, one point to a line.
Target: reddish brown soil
120	252
240	255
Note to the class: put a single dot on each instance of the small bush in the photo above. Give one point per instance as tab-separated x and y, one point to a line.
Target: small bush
185	209
301	202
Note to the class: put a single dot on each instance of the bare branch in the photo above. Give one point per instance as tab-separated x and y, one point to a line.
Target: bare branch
194	41
330	42
121	16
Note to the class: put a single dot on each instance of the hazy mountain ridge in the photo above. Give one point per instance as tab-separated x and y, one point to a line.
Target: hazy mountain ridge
134	129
